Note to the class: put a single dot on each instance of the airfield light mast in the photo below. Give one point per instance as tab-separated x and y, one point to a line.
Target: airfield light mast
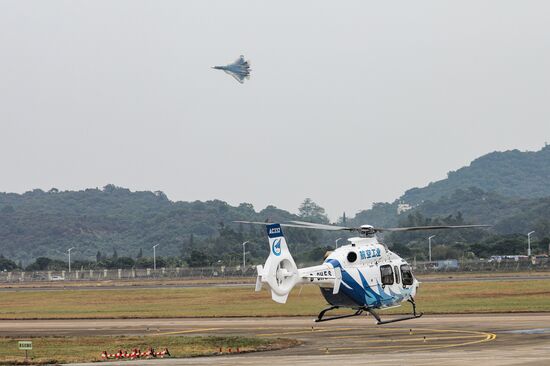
529	243
336	242
155	257
244	254
69	251
430	247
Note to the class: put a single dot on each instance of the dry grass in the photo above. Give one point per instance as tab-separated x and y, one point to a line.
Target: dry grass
450	297
194	281
52	350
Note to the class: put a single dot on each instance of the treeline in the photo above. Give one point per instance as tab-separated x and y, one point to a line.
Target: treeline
45	224
460	243
508	190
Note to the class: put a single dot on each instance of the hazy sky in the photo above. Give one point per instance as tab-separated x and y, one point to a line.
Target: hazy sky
350	102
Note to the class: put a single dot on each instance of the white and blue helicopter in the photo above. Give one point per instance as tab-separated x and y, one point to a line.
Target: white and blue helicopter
363	275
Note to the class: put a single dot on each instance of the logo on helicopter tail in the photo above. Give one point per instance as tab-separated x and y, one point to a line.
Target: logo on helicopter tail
276	247
274	230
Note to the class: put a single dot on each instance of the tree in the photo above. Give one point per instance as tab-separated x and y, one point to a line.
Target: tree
7	264
310	211
98	257
124	262
40	264
140	253
115	254
7	209
198	259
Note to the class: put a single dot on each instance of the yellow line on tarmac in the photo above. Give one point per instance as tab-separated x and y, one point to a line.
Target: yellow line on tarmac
417	332
315	330
197	330
489	337
420	347
427	339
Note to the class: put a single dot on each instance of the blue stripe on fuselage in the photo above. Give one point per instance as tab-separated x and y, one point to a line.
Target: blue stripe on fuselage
361	294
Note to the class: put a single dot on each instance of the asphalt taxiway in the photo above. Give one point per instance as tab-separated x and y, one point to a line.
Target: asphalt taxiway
488	339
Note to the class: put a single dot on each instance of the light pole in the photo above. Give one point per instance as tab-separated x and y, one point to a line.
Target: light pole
529	243
430	248
244	254
69	251
336	242
155	257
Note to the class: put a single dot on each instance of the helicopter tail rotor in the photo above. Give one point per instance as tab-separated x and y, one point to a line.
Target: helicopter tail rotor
279	272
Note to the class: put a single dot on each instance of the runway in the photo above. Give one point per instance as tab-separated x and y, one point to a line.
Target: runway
504	339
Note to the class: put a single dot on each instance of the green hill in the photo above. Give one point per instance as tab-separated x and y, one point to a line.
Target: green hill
509	190
39	223
511	173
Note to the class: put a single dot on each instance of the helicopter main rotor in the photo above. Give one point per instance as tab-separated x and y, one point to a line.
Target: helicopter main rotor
366	230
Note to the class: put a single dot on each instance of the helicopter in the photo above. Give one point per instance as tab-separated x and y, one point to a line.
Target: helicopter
364	275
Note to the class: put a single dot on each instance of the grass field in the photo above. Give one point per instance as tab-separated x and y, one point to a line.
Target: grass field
433	298
52	350
194	281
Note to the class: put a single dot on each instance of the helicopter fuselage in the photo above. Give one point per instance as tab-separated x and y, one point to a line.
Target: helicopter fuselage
372	276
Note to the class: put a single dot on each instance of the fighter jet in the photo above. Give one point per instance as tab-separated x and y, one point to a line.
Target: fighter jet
240	69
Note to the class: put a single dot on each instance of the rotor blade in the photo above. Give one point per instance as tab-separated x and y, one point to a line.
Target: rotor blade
418	228
287	225
313	225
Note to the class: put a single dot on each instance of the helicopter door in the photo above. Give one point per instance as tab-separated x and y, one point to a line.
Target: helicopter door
387	275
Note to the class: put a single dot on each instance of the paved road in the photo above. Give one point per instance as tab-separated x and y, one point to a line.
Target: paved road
515	339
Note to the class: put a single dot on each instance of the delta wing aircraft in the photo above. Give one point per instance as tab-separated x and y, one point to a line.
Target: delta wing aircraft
363	275
240	69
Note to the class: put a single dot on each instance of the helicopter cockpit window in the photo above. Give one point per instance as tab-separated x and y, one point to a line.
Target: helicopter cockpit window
352	257
406	275
387	275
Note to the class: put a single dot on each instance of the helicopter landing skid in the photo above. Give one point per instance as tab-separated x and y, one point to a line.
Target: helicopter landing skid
359	311
322	313
379	321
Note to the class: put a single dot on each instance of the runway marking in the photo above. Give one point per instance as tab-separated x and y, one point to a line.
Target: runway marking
486	337
197	330
323	330
415	331
413	339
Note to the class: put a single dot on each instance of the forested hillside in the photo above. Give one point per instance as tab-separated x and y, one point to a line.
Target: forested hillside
114	220
510	173
508	190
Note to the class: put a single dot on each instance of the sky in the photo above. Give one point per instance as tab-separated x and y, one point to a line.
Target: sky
349	103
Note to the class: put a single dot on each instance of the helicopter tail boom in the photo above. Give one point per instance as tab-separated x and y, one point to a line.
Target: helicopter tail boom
280	273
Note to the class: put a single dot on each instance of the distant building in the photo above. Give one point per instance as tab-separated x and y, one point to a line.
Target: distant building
507	258
446	264
403	207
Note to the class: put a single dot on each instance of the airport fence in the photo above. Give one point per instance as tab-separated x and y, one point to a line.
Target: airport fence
126	274
222	272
